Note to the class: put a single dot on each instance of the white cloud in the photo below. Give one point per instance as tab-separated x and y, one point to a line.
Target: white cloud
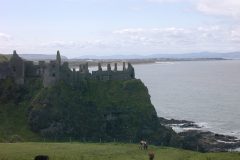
180	40
230	8
220	7
143	41
60	44
235	35
4	37
5	42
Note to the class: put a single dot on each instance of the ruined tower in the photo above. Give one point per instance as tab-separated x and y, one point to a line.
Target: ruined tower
131	70
99	67
52	71
109	67
58	58
124	66
115	67
17	68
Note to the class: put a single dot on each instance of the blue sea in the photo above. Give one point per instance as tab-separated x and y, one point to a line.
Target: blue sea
206	92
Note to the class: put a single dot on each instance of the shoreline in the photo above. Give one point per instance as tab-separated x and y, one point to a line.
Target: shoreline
195	138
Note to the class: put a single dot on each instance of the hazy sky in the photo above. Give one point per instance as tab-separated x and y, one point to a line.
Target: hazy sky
107	27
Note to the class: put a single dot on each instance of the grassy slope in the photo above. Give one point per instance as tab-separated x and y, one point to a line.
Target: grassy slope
87	151
3	58
13	121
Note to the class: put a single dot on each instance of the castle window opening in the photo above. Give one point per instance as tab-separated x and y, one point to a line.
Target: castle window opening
53	75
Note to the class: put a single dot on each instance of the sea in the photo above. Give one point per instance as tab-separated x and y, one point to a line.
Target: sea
206	92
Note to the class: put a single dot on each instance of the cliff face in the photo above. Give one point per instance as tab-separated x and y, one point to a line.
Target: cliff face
91	110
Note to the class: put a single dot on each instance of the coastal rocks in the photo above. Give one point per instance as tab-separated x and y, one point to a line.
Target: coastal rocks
193	138
178	123
206	141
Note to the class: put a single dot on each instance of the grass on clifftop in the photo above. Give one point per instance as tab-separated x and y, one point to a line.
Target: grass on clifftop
104	151
3	58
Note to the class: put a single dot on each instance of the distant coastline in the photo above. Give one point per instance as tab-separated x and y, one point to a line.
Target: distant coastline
104	62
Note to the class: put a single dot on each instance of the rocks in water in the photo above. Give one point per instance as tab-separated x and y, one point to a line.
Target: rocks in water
173	121
190	125
178	123
206	141
193	138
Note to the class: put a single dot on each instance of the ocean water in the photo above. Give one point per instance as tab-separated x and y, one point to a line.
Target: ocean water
206	92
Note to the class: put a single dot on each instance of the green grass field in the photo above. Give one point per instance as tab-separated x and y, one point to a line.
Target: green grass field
104	151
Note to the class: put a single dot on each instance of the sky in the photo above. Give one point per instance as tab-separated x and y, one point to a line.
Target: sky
119	27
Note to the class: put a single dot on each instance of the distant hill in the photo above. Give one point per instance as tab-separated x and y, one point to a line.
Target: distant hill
110	57
37	57
231	55
31	57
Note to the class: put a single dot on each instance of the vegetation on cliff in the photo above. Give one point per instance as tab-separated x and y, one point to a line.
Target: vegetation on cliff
14	102
90	110
97	109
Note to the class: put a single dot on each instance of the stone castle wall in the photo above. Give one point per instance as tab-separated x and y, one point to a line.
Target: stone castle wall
54	71
114	74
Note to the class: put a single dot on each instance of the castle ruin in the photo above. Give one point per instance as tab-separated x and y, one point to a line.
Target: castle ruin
54	71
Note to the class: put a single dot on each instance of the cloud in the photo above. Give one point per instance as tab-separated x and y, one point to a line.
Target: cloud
6	42
230	8
220	7
212	38
83	45
235	35
4	37
60	44
180	40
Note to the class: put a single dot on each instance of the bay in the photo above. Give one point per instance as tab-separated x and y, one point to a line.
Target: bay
206	92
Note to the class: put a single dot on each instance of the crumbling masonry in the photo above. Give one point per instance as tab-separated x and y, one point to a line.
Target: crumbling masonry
55	71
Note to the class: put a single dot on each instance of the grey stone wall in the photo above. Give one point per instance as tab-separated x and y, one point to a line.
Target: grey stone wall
51	74
109	74
5	70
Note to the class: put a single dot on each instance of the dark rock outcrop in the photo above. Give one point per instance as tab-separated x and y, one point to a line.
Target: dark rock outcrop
193	138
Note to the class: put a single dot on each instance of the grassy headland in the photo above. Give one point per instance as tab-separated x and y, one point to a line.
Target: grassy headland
4	58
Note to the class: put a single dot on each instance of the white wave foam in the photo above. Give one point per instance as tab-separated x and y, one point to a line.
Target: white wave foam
203	125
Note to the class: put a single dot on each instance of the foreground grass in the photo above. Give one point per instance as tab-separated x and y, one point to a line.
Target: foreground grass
104	151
